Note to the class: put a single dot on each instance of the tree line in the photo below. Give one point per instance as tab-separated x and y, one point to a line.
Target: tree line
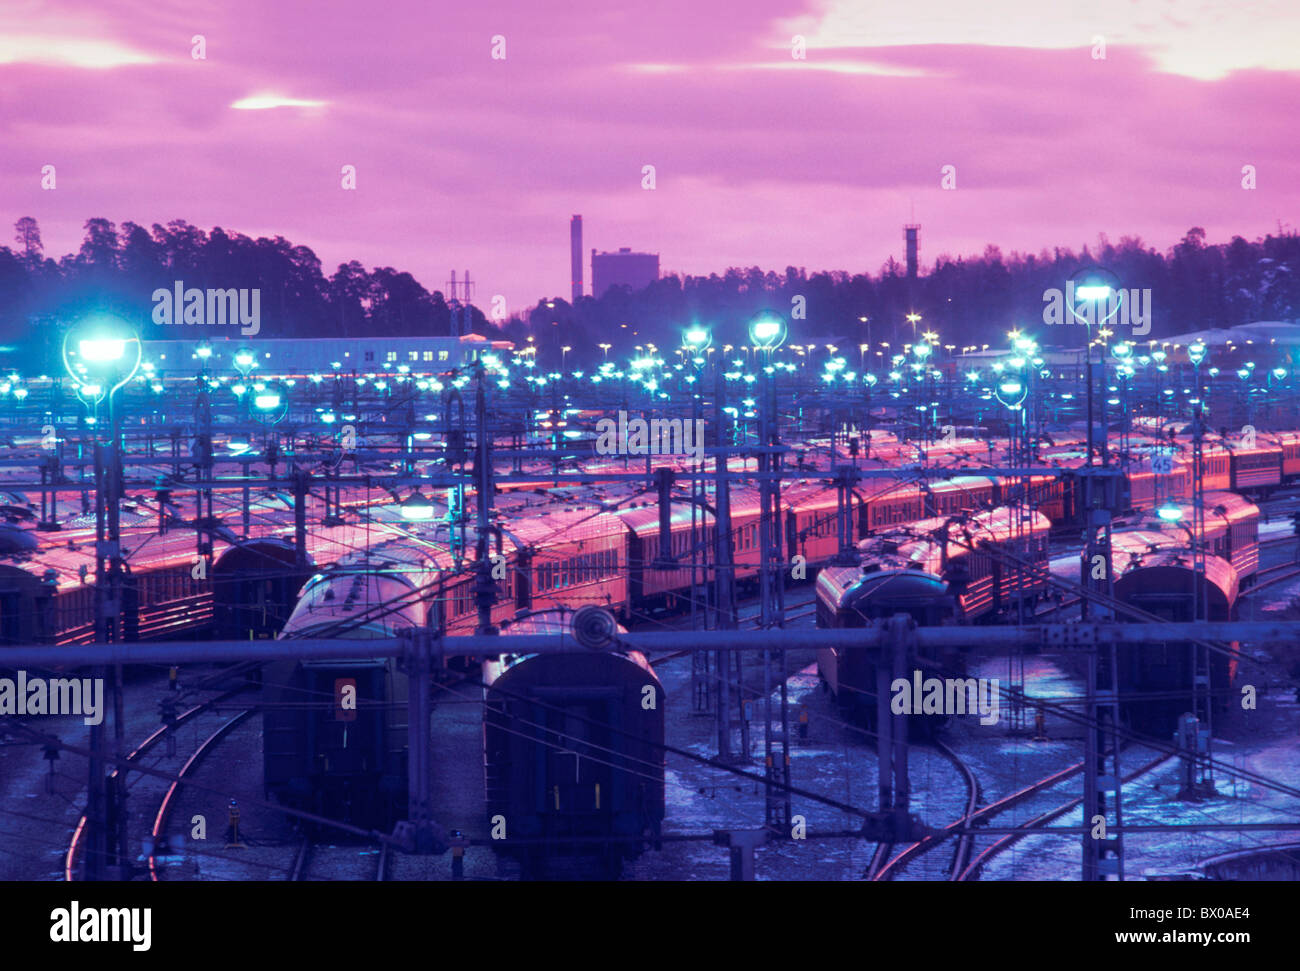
966	299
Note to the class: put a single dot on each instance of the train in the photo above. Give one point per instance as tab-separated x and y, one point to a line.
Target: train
1154	565
573	755
334	731
962	569
604	550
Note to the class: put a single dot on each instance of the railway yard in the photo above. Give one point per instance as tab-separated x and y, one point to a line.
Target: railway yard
399	509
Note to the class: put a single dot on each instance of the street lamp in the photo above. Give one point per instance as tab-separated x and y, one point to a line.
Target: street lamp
415	507
101	354
245	361
767	331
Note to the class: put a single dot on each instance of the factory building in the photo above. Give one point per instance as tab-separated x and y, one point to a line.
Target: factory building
624	268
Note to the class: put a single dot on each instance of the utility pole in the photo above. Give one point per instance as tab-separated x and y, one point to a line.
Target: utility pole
1102	856
1202	777
485	592
771	573
724	571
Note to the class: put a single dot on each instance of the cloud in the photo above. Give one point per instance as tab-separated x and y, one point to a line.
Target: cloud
63	51
262	102
1203	39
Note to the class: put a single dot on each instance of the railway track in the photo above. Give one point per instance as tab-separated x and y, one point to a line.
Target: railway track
75	844
169	798
973	816
1274	575
1038	823
309	852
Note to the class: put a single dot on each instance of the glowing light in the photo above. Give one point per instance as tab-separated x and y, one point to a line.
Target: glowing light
1170	513
102	350
1092	291
415	507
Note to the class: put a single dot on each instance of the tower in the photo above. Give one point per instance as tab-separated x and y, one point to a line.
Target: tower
575	255
912	234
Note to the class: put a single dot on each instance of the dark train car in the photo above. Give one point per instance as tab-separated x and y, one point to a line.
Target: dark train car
1155	573
47	587
573	755
938	570
849	597
335	732
255	586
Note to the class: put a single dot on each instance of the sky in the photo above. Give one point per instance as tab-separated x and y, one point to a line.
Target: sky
468	160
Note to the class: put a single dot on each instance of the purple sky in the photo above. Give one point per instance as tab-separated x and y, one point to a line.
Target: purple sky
469	162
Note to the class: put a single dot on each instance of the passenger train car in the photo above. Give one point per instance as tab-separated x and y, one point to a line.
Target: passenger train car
573	754
938	571
1155	571
334	731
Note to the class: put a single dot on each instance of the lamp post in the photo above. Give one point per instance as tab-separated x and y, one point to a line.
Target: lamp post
1094	288
103	353
922	352
1196	352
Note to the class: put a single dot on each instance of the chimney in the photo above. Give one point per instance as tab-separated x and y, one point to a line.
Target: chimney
575	255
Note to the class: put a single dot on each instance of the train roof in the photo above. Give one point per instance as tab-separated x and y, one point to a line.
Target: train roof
1171	572
846	587
644	520
565	526
559	620
1222	509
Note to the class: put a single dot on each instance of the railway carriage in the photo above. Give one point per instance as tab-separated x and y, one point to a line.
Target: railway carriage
1155	572
573	755
1257	467
334	731
1288	443
938	571
653	585
812	520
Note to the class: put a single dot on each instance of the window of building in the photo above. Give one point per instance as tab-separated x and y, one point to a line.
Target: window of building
392	356
443	355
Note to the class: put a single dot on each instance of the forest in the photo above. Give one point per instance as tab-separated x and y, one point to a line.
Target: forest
1195	284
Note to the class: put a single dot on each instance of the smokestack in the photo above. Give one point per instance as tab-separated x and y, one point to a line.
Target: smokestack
575	255
912	235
